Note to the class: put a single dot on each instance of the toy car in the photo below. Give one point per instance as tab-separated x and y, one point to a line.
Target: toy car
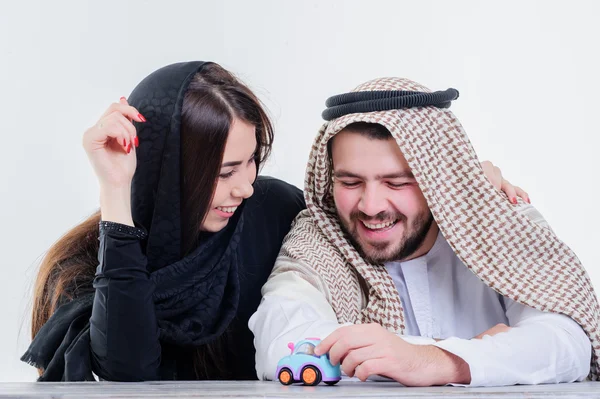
302	365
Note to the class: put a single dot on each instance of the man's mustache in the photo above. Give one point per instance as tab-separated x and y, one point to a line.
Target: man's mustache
380	217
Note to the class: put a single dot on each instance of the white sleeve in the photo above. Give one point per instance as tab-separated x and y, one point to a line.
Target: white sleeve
291	309
540	348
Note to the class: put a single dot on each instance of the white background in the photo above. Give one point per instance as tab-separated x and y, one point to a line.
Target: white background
527	71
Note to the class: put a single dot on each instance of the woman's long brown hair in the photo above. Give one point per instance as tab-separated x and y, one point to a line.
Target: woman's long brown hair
212	101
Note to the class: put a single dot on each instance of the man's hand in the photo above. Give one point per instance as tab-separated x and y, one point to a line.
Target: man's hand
369	349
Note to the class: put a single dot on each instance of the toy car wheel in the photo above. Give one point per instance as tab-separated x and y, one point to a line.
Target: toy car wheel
310	375
285	376
331	382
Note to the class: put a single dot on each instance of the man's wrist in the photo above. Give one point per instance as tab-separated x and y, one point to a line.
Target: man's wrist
446	368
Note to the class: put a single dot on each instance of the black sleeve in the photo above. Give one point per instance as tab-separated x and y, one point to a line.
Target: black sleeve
123	327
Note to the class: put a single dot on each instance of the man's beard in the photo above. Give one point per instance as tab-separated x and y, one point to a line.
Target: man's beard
412	239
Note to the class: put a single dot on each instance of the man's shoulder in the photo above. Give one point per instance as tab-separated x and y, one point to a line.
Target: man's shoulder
306	240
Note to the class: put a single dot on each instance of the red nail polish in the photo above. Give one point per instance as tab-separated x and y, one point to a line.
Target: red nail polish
136	141
129	148
142	117
514	200
124	143
122	98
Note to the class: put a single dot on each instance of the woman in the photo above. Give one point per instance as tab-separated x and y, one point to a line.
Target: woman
169	296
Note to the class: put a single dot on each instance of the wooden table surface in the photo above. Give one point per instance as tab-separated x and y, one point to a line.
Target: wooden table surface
256	389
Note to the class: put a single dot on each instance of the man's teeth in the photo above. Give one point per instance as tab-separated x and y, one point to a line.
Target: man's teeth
379	225
228	209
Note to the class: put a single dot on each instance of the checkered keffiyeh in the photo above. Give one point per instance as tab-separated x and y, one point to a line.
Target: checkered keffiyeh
496	240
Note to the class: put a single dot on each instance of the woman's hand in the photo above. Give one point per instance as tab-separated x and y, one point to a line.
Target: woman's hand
494	175
110	146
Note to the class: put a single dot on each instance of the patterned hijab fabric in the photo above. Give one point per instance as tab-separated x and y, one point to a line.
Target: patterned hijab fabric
504	248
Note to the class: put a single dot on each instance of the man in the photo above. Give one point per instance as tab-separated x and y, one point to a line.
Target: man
412	266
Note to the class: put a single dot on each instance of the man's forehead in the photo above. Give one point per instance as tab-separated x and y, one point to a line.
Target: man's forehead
364	174
355	154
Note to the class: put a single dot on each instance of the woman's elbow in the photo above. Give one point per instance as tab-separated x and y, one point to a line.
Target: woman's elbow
126	372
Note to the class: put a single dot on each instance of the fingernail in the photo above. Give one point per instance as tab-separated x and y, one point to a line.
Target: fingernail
129	148
122	98
124	143
142	117
513	200
136	141
528	200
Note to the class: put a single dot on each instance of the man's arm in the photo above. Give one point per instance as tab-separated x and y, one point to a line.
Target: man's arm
540	348
291	309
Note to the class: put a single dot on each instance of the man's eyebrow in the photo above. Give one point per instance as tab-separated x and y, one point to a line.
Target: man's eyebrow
399	175
345	173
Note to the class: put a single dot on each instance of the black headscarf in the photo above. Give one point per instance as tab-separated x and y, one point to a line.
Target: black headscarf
196	296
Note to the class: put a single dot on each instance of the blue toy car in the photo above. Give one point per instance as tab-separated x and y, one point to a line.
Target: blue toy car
302	365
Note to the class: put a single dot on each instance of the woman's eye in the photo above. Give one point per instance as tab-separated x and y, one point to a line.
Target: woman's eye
397	185
227	175
350	184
